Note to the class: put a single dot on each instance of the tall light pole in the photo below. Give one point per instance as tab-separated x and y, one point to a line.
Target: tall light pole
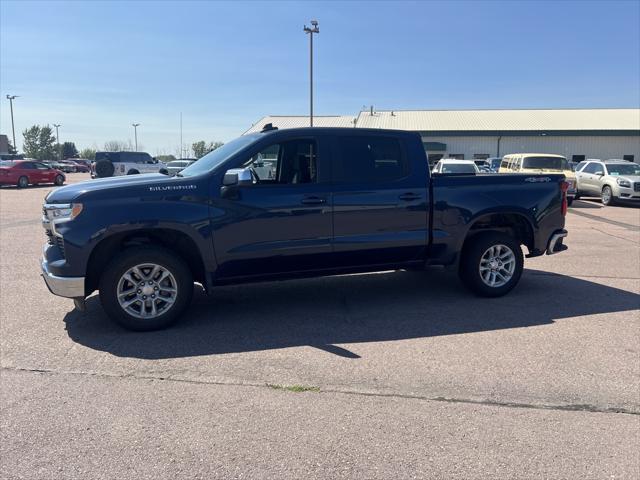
57	125
314	29
135	133
11	98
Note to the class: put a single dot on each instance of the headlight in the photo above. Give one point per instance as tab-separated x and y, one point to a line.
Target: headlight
63	212
623	182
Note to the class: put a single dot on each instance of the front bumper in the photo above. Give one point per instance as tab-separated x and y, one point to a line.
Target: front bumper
69	287
626	193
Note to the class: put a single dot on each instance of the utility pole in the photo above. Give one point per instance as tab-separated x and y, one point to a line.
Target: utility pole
57	125
11	98
135	133
314	29
181	144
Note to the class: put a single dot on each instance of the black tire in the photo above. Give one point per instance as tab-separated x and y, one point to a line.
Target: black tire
607	197
133	171
570	201
59	180
141	255
23	182
104	168
472	254
163	171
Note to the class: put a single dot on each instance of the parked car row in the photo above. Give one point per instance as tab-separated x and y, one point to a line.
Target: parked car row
612	180
29	172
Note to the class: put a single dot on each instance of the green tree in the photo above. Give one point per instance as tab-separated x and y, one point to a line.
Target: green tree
69	150
88	153
39	143
201	148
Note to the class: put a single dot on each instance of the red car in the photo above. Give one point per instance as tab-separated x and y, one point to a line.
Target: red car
28	172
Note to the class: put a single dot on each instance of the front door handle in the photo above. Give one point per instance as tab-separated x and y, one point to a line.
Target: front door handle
410	196
313	200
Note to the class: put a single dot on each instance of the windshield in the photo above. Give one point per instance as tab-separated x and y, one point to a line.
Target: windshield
546	163
458	168
212	159
623	169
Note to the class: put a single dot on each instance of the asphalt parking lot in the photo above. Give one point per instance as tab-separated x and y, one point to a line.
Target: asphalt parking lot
387	375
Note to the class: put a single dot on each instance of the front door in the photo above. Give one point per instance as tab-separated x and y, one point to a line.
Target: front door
380	201
282	222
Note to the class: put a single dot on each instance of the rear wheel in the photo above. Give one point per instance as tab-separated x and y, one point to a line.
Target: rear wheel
133	171
570	201
59	180
23	182
146	288
607	196
491	264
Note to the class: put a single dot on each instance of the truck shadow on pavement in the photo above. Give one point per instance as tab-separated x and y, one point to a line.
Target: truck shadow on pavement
323	312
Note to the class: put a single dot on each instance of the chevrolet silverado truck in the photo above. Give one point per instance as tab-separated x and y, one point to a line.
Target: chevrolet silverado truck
282	204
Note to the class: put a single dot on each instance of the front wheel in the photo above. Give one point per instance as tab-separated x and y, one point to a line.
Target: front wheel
59	180
23	182
607	196
491	264
146	288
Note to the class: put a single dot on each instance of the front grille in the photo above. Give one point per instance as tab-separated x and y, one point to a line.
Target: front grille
55	240
636	187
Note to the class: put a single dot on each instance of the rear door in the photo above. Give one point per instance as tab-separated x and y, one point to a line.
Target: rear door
281	223
380	200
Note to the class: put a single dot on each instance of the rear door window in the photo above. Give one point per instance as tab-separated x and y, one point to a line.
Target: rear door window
369	159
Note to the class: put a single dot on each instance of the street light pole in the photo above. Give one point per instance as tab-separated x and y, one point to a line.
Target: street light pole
13	128
57	125
314	29
135	133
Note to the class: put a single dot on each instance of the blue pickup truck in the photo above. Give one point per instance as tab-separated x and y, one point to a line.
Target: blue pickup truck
283	204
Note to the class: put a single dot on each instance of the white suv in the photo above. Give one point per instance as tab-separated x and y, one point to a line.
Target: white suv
110	164
611	180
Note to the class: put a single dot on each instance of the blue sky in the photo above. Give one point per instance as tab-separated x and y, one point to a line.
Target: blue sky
96	67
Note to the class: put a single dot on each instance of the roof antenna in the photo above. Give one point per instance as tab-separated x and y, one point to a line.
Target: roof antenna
393	114
372	110
268	127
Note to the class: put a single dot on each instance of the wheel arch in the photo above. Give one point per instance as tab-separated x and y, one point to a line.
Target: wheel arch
516	224
172	239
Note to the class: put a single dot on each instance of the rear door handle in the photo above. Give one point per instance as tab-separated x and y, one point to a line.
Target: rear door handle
410	196
313	200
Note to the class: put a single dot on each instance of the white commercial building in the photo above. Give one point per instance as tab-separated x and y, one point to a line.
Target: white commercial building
473	134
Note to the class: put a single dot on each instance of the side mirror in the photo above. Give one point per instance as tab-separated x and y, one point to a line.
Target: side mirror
600	173
237	177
